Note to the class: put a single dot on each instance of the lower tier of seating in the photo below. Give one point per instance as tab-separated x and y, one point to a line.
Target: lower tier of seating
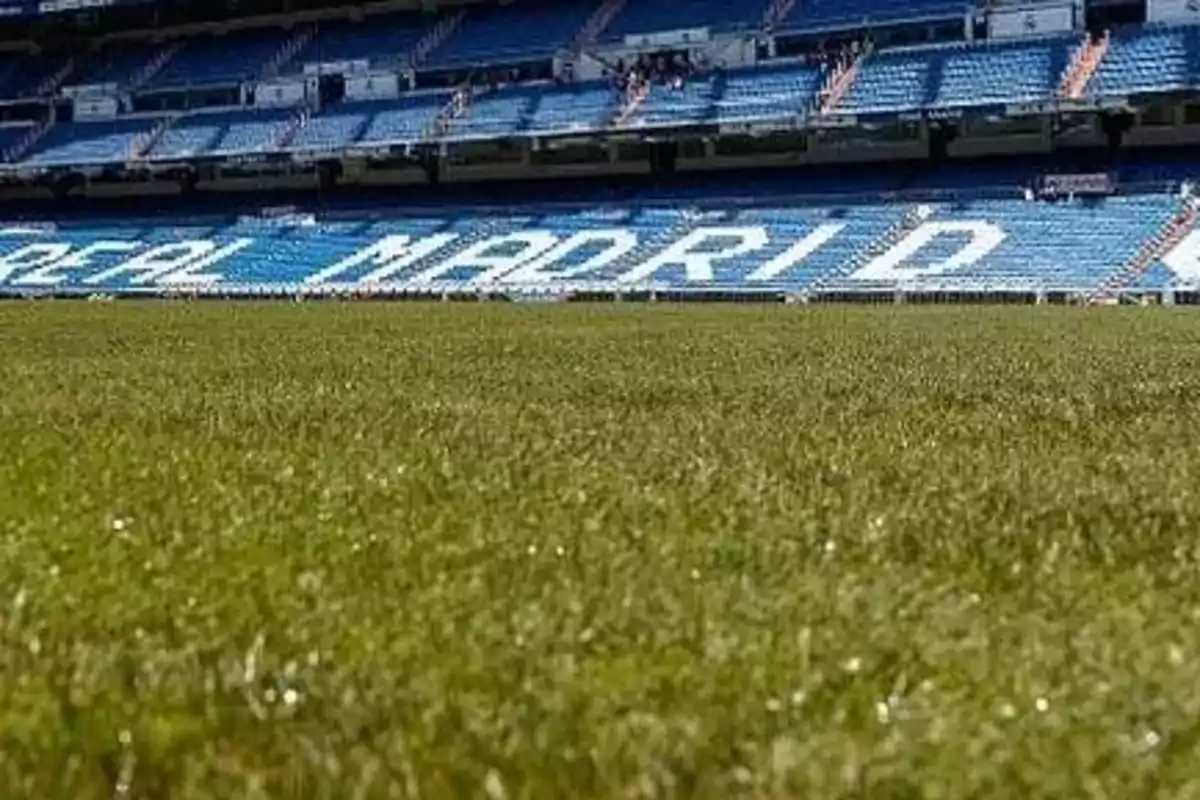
772	245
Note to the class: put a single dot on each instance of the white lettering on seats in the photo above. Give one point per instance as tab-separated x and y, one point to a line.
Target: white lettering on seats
620	242
389	256
799	251
531	245
161	261
1184	258
52	274
698	266
32	256
190	275
985	237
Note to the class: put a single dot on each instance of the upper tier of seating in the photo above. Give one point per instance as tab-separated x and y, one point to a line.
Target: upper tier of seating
23	75
783	244
230	58
1153	59
649	16
859	13
520	31
116	64
381	41
959	75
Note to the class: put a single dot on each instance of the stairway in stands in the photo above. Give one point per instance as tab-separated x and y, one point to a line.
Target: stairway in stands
289	130
1150	253
457	105
635	95
436	37
838	83
143	145
776	13
1083	65
54	82
154	66
295	44
596	23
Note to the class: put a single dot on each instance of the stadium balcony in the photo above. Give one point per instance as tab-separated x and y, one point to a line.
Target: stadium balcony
1151	59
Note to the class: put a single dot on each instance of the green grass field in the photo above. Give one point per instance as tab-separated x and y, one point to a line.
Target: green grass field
360	551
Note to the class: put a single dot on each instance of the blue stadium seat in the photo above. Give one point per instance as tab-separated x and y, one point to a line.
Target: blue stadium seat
338	127
241	131
650	16
584	106
958	75
253	131
523	31
382	41
1000	72
688	104
1158	58
190	136
501	113
815	14
227	59
11	136
116	64
1059	246
398	121
892	81
98	142
21	74
769	92
802	243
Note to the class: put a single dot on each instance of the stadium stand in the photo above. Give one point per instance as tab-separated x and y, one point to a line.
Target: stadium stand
405	120
791	244
958	75
381	41
98	142
117	65
664	15
25	75
1156	59
518	32
664	89
337	128
808	14
221	59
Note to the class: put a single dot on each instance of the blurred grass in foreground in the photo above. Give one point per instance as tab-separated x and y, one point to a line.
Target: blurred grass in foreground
338	551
